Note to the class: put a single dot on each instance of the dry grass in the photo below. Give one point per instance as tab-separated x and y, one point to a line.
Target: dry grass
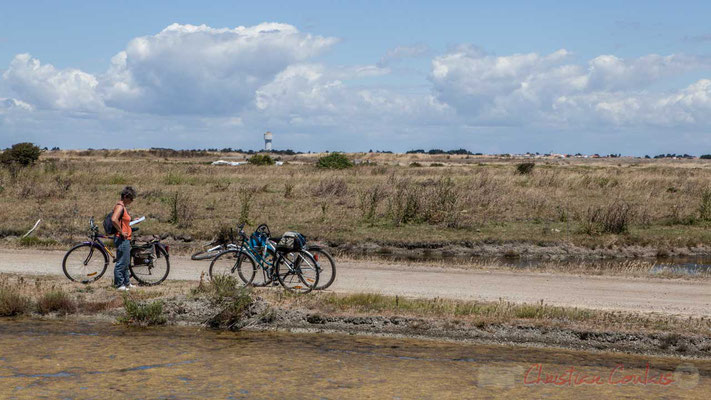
57	301
586	202
21	295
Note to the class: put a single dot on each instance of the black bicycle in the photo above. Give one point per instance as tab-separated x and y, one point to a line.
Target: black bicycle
87	262
326	263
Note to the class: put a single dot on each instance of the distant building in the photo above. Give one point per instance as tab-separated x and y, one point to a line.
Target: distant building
268	141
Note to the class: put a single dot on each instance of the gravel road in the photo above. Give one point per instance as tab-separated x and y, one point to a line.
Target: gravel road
669	296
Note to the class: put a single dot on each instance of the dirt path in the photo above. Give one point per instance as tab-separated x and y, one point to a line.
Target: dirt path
600	292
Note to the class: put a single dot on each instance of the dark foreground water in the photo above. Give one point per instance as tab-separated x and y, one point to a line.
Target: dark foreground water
102	361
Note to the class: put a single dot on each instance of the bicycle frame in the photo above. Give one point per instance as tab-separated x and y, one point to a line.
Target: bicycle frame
96	237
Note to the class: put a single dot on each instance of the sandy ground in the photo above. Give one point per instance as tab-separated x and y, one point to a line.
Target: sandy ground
681	297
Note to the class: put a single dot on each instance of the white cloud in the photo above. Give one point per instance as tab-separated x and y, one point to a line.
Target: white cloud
49	88
193	85
204	70
314	94
544	89
7	104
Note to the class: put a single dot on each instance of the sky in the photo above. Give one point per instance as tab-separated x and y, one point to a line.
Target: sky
604	77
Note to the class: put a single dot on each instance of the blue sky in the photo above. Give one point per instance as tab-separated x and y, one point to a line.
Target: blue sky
624	77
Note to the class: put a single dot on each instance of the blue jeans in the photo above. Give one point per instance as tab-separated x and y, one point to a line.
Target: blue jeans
123	258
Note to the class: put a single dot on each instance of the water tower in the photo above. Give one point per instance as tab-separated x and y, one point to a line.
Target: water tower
268	141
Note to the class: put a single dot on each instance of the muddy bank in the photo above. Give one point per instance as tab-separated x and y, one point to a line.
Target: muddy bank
263	316
554	251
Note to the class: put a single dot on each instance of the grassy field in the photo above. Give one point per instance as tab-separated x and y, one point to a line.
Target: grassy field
385	198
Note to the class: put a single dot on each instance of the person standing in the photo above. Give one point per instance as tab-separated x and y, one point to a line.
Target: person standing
121	219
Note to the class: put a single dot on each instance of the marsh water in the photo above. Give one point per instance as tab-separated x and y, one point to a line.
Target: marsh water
682	265
89	360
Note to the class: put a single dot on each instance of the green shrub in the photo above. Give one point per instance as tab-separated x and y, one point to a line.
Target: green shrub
56	301
525	168
232	300
436	164
415	164
12	303
334	161
261	159
142	314
23	154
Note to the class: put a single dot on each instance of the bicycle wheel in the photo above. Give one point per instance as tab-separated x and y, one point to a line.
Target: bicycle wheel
153	272
264	274
327	267
85	263
297	271
231	262
209	253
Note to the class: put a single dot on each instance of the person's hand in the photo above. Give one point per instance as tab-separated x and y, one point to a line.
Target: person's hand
123	235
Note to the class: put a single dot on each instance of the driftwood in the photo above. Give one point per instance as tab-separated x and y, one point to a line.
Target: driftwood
33	228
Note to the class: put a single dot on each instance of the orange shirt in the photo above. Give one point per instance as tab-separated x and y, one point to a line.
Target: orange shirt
124	221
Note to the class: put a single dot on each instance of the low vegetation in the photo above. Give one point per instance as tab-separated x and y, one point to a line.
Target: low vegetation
20	154
12	303
612	202
229	298
142	313
56	301
492	314
525	168
334	161
261	159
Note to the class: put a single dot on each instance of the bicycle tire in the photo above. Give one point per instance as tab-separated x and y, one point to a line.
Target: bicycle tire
207	254
230	262
327	271
90	274
262	276
297	271
143	273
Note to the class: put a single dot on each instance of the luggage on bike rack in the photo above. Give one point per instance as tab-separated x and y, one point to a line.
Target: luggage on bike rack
258	240
291	241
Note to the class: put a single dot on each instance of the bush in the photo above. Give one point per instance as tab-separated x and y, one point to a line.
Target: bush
261	159
525	168
232	299
182	208
245	196
705	206
56	301
12	303
142	314
614	218
23	154
334	161
331	187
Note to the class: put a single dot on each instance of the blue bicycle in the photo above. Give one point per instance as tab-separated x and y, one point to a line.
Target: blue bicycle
259	262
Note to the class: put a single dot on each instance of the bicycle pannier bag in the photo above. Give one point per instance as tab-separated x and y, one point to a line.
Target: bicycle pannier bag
258	239
291	241
109	227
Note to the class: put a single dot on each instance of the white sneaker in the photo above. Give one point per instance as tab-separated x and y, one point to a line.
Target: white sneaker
122	288
131	286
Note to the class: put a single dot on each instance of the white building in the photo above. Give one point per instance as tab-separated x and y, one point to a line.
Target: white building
268	141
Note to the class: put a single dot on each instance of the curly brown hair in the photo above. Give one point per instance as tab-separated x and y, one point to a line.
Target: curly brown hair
128	193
